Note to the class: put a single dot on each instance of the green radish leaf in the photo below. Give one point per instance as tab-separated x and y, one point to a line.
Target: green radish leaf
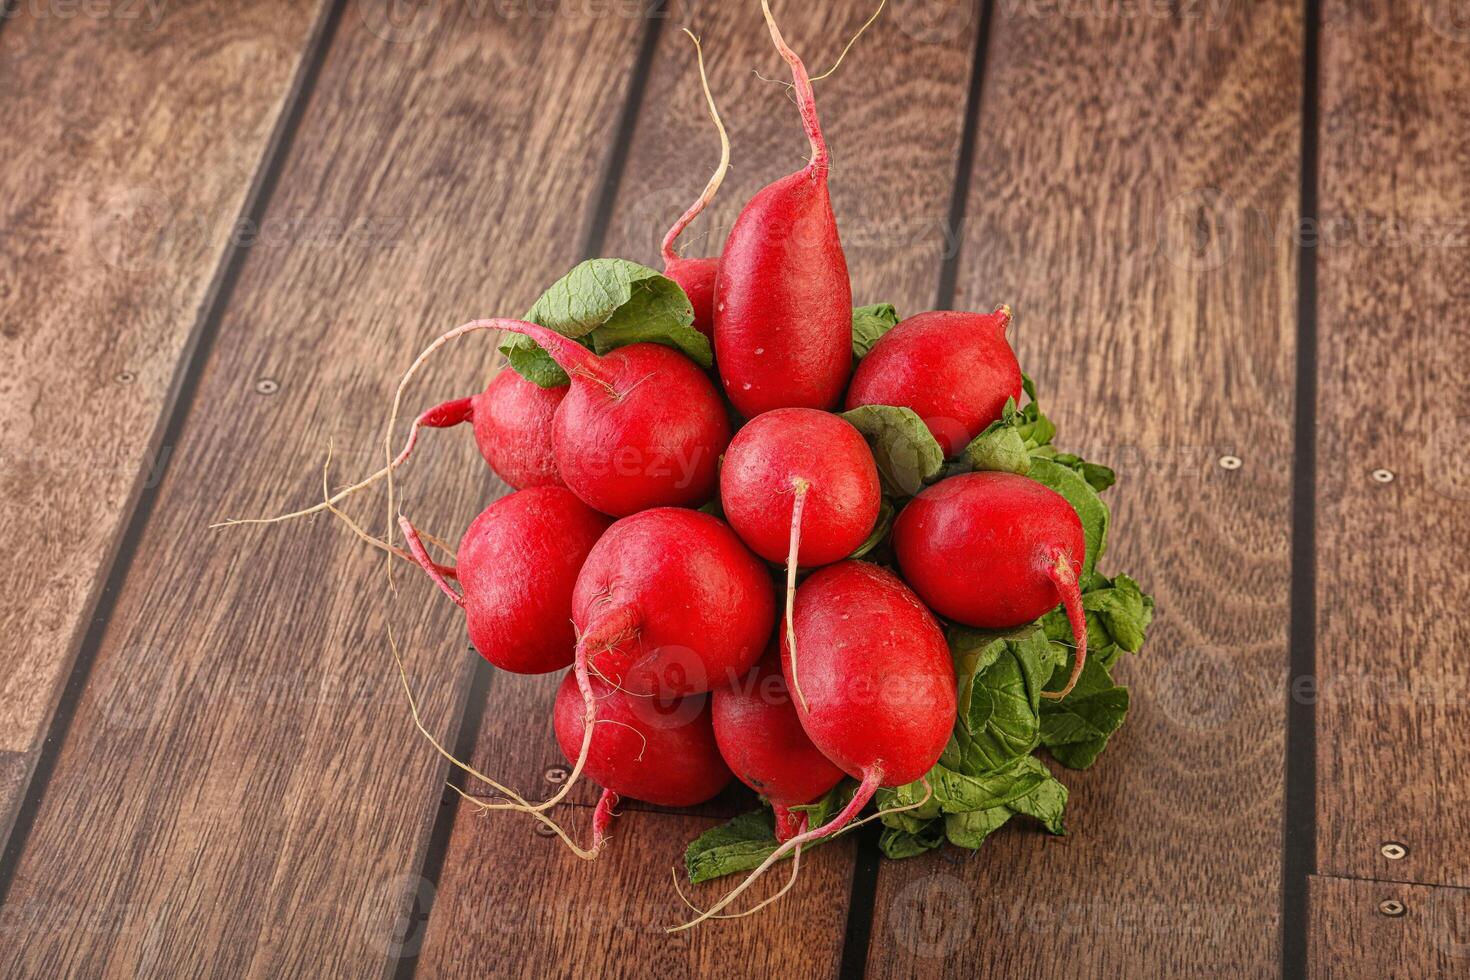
1001	446
1099	477
956	792
744	842
1076	729
1000	684
907	454
869	323
899	844
606	304
1045	803
1118	616
1084	500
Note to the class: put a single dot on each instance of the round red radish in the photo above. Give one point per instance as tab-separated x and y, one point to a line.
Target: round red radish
876	671
800	456
513	428
955	370
783	302
641	426
668	758
762	741
994	550
517	564
670	602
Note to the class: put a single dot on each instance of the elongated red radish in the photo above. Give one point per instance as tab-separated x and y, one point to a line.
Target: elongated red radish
517	565
659	752
696	276
995	550
669	602
800	486
762	741
955	370
783	302
880	689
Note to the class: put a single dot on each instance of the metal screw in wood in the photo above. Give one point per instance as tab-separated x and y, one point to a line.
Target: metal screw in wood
557	775
124	377
1231	462
1393	850
1383	476
1392	908
266	386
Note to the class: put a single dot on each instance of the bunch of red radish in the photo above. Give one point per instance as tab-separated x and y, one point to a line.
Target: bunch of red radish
609	558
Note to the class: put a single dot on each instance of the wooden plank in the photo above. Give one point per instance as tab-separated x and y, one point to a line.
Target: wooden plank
1392	707
914	95
609	917
117	203
243	763
1134	186
1354	934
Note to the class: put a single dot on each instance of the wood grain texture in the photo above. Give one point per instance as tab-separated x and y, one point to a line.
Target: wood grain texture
546	913
243	761
1351	937
1134	187
117	203
1394	375
893	114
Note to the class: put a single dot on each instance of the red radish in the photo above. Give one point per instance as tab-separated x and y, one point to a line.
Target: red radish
696	276
783	302
880	689
762	740
800	486
517	564
640	427
659	752
513	428
955	370
670	602
995	550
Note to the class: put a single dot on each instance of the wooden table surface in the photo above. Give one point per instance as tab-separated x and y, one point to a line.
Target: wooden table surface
1228	229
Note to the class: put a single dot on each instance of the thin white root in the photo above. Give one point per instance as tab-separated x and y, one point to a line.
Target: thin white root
795	869
716	179
866	24
854	806
798	507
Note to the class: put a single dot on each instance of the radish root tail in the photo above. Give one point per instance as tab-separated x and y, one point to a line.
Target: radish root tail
421	555
806	99
859	800
1061	573
853	40
798	507
718	178
439	417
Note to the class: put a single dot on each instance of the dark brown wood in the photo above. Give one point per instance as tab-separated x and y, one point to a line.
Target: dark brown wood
1354	934
241	786
1394	286
130	142
546	913
1134	186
